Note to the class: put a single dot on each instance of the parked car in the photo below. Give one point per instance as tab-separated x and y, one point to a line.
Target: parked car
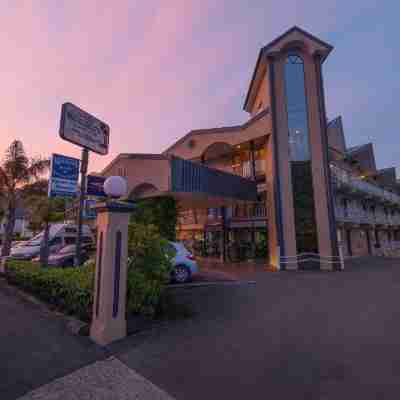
60	235
184	263
65	256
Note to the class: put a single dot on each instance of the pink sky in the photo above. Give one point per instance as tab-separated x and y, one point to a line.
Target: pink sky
153	70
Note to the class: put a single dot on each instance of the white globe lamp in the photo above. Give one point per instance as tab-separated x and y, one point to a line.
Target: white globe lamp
115	187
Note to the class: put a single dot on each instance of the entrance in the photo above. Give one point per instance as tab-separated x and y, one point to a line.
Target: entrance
348	241
368	241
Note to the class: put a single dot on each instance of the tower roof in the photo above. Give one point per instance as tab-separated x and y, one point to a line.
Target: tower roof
294	37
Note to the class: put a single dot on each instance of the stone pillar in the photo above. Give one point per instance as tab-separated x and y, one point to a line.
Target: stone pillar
109	304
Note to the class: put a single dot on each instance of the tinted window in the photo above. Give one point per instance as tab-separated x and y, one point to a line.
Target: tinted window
300	155
296	109
70	240
55	241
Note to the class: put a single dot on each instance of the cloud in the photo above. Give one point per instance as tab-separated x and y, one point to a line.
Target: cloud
152	70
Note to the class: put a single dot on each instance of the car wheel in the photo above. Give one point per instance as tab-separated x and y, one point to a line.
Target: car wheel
181	274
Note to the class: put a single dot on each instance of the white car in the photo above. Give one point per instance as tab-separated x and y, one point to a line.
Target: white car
60	235
184	263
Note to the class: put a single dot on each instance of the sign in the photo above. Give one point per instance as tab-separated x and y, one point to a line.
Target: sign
94	186
64	176
81	128
89	212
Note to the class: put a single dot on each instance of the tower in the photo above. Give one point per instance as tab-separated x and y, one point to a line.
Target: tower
288	78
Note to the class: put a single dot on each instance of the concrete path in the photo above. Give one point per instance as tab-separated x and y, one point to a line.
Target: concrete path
103	380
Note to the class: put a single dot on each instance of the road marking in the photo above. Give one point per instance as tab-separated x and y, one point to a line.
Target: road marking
212	283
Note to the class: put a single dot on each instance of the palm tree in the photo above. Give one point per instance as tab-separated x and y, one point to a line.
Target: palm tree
44	211
17	172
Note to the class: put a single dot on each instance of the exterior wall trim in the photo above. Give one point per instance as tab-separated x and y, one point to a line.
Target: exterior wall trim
277	183
327	172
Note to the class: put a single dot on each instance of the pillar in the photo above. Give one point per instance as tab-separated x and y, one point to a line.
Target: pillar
109	303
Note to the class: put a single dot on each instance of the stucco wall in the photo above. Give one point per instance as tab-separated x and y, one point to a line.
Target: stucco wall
203	139
139	170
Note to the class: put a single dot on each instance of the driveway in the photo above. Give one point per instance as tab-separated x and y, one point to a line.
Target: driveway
306	335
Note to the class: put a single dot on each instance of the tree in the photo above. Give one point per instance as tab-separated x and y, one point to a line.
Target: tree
162	212
44	211
17	171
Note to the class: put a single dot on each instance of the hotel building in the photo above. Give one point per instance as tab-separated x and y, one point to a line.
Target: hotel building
313	193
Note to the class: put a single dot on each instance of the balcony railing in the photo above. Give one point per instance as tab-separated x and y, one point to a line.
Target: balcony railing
343	179
359	216
245	169
258	211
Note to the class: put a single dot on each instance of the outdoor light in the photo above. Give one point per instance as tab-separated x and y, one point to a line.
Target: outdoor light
115	186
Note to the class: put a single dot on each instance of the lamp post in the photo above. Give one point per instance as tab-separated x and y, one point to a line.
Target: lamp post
109	304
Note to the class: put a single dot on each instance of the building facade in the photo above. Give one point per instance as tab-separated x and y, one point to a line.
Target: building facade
313	192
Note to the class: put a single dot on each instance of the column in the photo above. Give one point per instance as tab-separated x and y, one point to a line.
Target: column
109	304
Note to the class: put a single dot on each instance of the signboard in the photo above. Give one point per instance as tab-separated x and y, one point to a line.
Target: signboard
94	186
89	212
64	175
81	128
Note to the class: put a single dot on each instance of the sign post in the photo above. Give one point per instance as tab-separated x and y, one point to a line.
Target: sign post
85	130
84	165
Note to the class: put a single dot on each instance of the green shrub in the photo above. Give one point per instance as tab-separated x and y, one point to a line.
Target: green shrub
70	289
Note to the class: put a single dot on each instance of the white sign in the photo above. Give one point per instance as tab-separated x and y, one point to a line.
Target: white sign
81	128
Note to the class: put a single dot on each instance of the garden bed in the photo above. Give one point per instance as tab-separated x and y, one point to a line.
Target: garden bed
70	290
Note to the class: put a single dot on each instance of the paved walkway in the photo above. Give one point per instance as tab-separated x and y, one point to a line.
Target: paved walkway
103	380
306	335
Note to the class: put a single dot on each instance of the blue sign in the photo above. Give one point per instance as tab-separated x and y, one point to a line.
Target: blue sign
89	212
95	186
64	176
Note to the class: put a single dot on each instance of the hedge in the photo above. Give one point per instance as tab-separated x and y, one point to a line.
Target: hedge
71	289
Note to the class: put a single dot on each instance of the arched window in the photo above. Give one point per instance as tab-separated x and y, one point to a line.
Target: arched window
296	108
300	155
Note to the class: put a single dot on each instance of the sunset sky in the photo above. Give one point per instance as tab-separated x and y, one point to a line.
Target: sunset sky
153	70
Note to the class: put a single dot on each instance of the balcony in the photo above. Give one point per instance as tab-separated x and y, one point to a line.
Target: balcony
344	181
257	211
243	170
359	216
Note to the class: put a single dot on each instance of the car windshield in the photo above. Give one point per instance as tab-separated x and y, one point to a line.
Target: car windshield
67	249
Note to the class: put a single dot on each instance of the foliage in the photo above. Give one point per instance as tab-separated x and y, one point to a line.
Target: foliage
17	174
162	212
44	211
70	289
149	267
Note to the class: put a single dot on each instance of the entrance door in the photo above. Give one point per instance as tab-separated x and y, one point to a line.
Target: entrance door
368	242
348	241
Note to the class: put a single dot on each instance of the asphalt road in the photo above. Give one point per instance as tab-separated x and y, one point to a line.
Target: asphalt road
306	335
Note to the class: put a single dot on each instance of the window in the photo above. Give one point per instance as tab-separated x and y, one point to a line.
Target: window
300	155
55	241
70	240
296	109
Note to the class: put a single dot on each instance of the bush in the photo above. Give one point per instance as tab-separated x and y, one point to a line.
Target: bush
70	289
149	268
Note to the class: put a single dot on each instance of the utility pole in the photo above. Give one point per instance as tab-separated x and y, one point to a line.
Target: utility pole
84	166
